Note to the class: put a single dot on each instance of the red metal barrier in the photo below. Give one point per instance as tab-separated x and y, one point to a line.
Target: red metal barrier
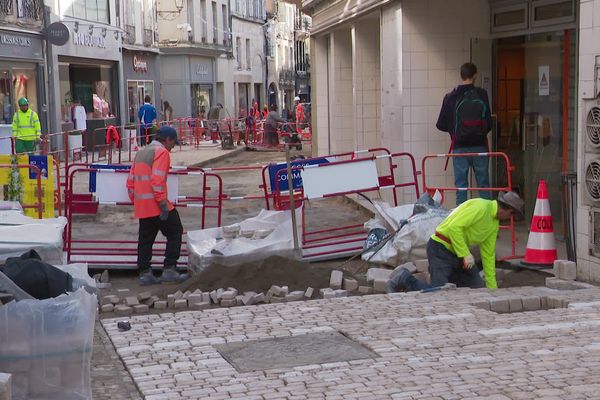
121	253
431	189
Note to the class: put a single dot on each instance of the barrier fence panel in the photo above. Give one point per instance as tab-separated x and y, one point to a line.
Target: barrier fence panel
32	169
329	180
427	187
107	189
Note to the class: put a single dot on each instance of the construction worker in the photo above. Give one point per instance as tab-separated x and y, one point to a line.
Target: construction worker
473	223
147	189
26	128
299	115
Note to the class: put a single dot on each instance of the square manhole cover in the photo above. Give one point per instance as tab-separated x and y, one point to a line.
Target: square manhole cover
287	352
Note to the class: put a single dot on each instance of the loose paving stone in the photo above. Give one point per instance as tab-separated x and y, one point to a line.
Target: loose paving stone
180	303
194	298
178	295
378	273
160	305
206	297
111	299
566	270
248	298
150	302
228	295
309	293
365	289
140	309
278	291
107	307
259	298
277	299
350	284
531	303
336	279
295	296
228	302
500	305
104	276
123	292
123	310
422	265
214	297
131	301
340	293
515	304
144	296
239	300
379	285
199	306
171	300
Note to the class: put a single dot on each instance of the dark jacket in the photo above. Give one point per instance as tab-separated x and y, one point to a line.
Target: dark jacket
272	119
446	121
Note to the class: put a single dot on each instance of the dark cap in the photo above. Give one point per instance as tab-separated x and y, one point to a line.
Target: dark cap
167	132
512	201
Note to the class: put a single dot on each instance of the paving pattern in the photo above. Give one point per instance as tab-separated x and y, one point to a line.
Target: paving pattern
429	346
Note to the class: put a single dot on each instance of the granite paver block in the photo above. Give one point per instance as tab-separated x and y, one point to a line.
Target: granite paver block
171	300
340	293
228	295
178	295
378	273
365	289
214	297
107	307
531	303
259	298
131	301
566	270
295	296
228	302
515	304
350	284
309	293
335	280
160	305
113	299
500	305
123	310
140	309
144	296
248	298
199	306
180	303
122	293
379	285
150	302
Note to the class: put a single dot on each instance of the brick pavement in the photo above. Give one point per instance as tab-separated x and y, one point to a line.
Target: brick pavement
430	346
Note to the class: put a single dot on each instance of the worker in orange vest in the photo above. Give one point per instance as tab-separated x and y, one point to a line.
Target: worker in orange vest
147	189
299	114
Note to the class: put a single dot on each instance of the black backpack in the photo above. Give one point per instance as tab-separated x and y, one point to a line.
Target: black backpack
470	117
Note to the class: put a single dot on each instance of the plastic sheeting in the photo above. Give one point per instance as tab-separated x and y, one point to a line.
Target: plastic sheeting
47	346
19	233
267	234
410	243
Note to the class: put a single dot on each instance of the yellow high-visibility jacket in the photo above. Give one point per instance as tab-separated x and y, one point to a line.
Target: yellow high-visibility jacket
474	222
26	125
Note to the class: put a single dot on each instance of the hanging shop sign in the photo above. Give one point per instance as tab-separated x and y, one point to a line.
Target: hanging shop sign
57	33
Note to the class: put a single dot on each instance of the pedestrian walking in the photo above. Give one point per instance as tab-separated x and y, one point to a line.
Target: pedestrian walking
147	116
26	128
168	112
475	222
271	124
465	115
147	189
299	111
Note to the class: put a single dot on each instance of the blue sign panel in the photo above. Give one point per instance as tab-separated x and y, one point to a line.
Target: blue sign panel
296	178
42	163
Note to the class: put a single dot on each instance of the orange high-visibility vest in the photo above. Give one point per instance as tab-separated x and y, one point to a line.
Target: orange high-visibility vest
147	181
299	113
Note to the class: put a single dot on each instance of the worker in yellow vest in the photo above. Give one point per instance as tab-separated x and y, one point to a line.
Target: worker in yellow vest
26	128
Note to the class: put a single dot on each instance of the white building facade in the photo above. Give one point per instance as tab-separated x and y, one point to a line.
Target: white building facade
242	75
192	36
380	70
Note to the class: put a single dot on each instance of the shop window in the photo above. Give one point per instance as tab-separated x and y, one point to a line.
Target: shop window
248	55
136	93
547	12
90	10
509	18
201	96
14	84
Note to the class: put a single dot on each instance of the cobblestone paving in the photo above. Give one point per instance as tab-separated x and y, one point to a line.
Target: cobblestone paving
430	346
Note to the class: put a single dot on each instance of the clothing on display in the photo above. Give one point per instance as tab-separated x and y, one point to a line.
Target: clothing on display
79	117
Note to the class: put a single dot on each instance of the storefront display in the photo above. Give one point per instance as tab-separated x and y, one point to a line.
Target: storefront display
142	79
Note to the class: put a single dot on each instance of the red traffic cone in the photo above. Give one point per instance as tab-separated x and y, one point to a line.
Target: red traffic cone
541	248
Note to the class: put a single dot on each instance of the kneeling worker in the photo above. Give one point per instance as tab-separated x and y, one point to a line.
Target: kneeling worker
147	189
473	223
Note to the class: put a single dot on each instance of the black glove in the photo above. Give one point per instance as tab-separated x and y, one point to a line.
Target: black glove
164	211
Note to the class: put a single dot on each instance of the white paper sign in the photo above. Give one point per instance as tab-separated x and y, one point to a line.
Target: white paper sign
544	80
112	186
329	179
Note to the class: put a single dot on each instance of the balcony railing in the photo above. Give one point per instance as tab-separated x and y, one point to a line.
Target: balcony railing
286	77
129	34
27	12
148	37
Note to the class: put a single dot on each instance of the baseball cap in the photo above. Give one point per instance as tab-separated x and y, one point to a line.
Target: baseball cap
167	132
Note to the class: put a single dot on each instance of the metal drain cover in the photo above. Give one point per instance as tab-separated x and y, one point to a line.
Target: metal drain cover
287	352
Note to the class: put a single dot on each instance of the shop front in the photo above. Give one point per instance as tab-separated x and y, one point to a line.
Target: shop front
21	75
142	77
89	82
187	83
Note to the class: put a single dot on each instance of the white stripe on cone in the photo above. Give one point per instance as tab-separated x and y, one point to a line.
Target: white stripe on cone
542	208
541	241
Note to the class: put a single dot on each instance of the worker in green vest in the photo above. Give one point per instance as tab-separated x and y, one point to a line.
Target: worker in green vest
26	128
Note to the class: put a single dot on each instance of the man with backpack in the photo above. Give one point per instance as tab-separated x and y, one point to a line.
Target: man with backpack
466	116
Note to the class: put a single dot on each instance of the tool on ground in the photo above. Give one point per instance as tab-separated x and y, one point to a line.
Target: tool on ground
541	247
123	326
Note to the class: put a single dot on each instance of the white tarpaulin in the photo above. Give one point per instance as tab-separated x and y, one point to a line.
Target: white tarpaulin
410	243
269	233
19	233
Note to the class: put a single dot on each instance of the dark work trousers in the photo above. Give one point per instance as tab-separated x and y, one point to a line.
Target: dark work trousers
445	267
171	229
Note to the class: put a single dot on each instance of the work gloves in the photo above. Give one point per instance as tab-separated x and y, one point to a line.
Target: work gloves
164	211
468	262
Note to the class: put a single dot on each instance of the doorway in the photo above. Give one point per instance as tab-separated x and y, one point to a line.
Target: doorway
534	81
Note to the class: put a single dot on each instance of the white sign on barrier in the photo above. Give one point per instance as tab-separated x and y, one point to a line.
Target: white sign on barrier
112	186
338	178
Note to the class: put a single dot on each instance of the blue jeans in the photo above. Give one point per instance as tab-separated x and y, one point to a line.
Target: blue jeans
462	165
